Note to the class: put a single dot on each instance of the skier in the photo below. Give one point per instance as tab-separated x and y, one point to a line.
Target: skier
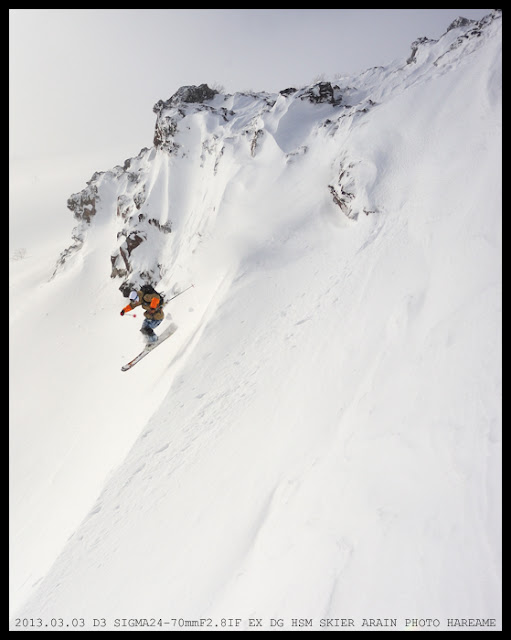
152	302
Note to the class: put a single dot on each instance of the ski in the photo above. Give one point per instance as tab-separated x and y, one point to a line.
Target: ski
171	329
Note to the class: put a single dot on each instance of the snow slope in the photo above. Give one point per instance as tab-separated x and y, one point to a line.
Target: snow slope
321	438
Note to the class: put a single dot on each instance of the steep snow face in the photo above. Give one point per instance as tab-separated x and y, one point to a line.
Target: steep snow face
321	436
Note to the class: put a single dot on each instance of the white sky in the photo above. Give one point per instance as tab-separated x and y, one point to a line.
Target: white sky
83	81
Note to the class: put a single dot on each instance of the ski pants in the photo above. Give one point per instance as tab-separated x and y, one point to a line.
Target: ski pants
148	327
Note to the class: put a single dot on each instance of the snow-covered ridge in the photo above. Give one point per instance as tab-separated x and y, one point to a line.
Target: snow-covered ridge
198	126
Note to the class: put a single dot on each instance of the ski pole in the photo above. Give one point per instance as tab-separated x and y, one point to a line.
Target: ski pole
178	294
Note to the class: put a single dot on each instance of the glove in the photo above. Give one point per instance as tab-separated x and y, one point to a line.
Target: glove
122	312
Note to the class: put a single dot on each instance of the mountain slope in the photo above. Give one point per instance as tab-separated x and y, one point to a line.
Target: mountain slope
322	434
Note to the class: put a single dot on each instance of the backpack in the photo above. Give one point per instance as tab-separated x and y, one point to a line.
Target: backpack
149	289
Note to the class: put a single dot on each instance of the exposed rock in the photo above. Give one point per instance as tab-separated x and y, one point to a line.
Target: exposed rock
253	145
118	270
415	47
124	206
186	94
133	240
344	193
165	228
83	204
76	245
459	22
322	92
342	201
170	112
164	130
139	197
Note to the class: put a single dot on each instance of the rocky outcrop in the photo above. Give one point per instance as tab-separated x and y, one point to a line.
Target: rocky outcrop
459	22
344	192
83	204
322	92
188	95
164	131
415	48
170	112
121	266
135	225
